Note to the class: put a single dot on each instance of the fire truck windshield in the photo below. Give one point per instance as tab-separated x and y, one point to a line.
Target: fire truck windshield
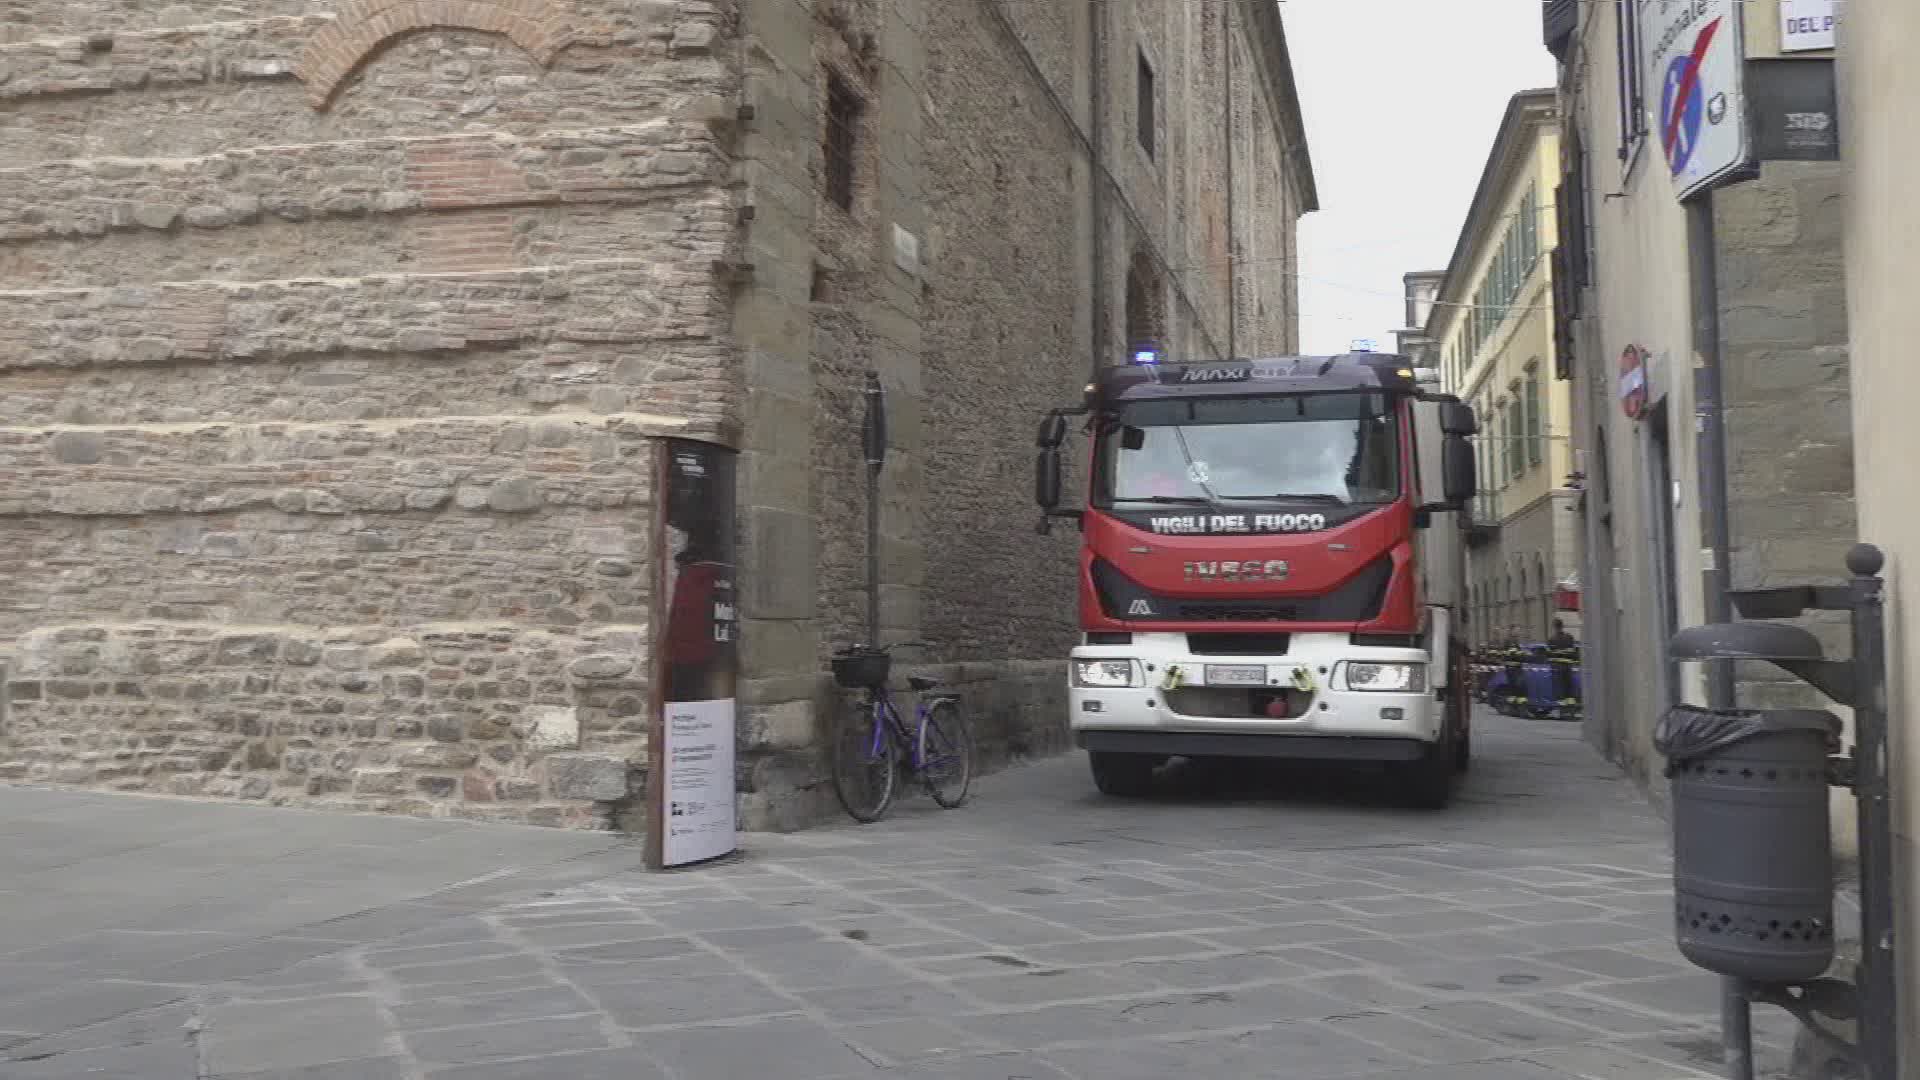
1339	448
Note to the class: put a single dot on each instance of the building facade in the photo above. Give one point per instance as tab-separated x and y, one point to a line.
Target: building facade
1411	341
1625	305
1491	327
337	338
1878	84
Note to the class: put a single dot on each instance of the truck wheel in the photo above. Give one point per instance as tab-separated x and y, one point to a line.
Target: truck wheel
1127	776
1428	782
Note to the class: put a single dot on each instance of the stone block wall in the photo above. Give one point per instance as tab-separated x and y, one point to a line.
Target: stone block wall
333	336
1788	397
962	275
435	720
333	340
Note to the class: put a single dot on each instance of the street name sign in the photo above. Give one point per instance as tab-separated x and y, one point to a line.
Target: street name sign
1806	25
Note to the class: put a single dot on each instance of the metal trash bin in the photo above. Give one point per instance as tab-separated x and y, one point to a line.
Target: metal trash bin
1753	855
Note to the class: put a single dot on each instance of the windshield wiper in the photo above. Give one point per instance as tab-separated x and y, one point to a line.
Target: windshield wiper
1185	500
1314	497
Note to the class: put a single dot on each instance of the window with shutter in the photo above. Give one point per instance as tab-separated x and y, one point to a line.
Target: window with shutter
1506	443
1633	125
1534	434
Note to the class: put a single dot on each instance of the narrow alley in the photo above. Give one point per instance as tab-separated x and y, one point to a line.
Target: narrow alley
1277	927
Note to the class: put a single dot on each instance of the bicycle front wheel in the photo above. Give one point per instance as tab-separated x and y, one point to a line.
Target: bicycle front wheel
946	755
865	762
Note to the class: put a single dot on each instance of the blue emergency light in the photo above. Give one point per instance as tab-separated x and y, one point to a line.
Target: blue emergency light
1145	356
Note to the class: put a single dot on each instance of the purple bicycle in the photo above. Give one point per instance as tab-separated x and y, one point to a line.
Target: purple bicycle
874	743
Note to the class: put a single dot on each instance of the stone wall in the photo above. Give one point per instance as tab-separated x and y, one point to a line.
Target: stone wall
334	344
1006	332
335	335
963	276
1788	398
494	723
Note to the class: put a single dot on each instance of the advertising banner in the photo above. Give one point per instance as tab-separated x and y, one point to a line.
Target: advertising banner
1796	110
696	642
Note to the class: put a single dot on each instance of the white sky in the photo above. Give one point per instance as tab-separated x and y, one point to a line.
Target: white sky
1402	100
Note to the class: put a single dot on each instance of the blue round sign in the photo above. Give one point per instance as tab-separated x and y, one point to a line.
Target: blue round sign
1680	122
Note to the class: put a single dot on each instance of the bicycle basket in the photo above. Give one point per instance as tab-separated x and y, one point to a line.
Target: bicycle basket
862	670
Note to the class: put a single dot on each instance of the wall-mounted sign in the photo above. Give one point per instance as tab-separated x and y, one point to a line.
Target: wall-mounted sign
1806	25
1695	49
1633	382
906	250
696	633
1796	110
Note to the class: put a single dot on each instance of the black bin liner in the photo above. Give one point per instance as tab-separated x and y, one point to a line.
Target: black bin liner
1752	850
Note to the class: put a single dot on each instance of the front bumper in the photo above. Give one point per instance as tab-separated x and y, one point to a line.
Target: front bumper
1188	711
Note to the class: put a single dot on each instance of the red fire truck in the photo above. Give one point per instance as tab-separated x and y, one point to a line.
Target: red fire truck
1273	564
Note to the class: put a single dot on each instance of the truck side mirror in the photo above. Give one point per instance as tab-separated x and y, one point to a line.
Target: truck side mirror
1046	479
1457	471
1456	418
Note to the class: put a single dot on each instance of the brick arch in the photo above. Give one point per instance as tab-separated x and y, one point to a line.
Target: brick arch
362	26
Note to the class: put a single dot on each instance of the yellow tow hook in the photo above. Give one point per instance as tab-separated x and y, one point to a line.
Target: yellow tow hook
1175	678
1303	680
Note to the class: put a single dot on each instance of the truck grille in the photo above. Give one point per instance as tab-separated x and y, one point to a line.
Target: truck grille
1357	601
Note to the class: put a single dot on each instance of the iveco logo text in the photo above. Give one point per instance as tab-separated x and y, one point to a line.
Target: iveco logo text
1250	570
1214	524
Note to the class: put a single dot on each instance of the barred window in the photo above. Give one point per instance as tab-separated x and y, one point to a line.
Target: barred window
1534	434
842	140
1145	104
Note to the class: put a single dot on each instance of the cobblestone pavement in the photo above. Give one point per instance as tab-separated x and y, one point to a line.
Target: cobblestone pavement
1292	927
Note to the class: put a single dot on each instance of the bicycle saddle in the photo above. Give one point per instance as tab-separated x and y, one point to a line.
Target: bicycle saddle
920	683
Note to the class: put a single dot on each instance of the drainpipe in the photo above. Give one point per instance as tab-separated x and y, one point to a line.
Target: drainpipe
1233	238
1096	173
1709	414
1736	1011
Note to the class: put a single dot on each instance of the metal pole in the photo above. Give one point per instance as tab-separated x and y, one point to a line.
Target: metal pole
1736	1028
874	436
1879	1009
873	554
1096	180
1233	242
1710	429
1736	1010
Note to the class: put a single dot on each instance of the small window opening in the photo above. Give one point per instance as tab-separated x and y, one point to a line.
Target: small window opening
843	129
1145	109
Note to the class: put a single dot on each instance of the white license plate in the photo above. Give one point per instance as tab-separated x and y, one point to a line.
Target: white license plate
1223	675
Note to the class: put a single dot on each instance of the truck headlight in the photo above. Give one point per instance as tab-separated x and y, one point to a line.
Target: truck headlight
1104	674
1387	678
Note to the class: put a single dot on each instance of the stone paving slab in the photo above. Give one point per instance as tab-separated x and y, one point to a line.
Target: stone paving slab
1239	924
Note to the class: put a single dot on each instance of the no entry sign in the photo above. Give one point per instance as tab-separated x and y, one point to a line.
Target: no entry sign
1633	382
